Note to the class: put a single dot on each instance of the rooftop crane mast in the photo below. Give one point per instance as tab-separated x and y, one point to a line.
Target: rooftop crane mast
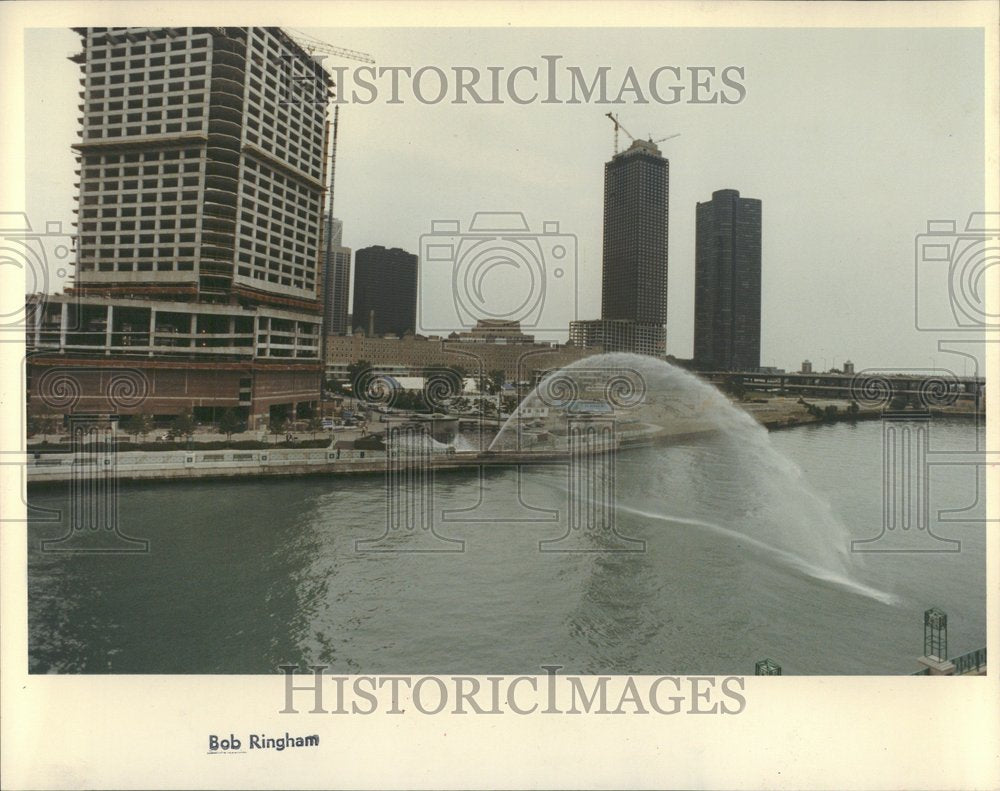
313	45
617	123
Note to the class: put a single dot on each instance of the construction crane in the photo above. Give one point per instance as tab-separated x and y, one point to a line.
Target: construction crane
313	45
617	123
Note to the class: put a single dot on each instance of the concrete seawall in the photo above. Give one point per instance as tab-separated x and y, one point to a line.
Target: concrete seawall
215	465
123	466
222	464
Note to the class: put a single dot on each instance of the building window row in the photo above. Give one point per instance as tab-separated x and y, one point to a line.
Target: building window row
281	250
291	130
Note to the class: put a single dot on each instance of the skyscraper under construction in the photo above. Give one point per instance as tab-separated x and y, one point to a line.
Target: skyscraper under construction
201	181
634	280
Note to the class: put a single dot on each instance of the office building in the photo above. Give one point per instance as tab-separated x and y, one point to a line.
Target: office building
336	278
727	283
197	178
334	232
636	197
385	291
634	274
201	180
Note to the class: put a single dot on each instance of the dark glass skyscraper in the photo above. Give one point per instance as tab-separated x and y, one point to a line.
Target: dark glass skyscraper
634	286
634	280
636	199
385	291
727	283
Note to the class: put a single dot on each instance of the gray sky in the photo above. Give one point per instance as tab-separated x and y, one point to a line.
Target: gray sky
852	139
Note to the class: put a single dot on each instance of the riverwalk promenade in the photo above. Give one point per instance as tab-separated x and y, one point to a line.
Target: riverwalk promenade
113	460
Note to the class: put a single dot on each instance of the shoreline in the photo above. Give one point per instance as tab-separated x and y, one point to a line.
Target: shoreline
779	424
233	464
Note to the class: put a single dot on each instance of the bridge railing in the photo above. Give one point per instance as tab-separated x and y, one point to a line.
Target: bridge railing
973	661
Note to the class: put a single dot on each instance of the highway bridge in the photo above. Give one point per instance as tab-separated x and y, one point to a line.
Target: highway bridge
868	388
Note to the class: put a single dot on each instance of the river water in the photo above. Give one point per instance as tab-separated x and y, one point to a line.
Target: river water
242	577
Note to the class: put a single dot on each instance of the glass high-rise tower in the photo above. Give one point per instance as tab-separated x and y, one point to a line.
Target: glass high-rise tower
336	278
385	291
636	200
727	283
634	280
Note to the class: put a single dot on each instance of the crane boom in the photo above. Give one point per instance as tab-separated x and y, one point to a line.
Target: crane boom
618	125
664	139
311	45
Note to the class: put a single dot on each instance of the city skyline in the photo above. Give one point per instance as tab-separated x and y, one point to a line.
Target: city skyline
525	164
223	521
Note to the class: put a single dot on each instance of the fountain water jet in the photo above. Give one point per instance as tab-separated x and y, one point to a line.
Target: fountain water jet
710	460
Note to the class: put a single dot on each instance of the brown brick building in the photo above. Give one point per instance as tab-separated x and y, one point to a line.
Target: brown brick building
487	347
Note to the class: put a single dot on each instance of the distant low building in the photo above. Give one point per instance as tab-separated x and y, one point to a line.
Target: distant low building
491	346
493	331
